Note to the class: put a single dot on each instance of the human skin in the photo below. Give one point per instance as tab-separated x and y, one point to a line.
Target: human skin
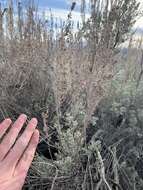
16	154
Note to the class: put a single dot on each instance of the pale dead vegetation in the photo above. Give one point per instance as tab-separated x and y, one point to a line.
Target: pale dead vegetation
85	92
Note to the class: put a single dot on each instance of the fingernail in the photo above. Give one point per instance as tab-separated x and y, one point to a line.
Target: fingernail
8	120
34	121
23	116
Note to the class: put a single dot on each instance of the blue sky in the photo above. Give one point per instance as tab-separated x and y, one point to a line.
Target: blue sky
59	4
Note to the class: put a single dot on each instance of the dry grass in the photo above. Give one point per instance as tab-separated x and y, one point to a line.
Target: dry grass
64	81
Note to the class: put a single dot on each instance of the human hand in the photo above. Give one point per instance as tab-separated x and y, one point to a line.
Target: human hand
16	155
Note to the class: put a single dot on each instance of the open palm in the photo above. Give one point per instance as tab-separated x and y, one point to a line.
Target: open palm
16	154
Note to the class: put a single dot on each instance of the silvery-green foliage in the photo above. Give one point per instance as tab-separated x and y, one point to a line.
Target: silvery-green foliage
71	141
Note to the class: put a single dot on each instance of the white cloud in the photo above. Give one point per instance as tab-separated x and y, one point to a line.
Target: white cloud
139	23
63	14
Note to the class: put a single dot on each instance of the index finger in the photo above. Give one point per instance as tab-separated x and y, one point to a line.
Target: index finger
4	125
10	138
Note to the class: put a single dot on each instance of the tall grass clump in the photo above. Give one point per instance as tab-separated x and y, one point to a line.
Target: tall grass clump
84	88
